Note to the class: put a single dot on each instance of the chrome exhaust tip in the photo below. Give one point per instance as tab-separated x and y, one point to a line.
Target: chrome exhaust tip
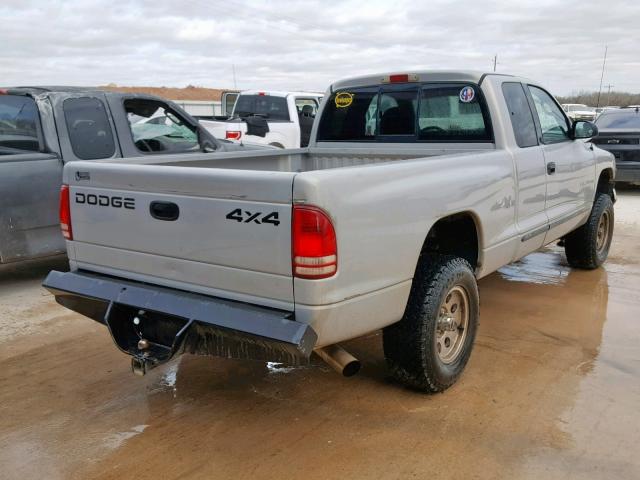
339	359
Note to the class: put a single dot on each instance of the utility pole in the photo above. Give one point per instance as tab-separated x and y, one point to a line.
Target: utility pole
604	61
495	61
608	92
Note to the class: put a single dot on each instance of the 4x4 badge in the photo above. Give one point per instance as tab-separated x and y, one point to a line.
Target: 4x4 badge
248	217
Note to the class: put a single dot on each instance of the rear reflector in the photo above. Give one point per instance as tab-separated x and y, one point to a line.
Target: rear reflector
4	91
315	251
233	135
65	213
400	78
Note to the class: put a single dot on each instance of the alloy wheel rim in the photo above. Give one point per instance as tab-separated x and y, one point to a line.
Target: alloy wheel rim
452	324
602	234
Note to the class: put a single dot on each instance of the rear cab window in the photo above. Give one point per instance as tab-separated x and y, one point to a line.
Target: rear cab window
19	125
271	107
428	112
156	128
89	128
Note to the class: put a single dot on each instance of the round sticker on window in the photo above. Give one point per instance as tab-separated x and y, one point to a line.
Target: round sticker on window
343	99
467	94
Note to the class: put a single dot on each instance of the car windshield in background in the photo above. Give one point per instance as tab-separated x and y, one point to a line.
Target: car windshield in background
155	128
18	120
619	120
580	108
406	113
271	107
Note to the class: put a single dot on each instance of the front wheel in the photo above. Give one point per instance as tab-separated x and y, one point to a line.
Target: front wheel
428	349
588	246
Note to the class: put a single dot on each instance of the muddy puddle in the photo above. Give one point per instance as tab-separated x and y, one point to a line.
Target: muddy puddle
552	391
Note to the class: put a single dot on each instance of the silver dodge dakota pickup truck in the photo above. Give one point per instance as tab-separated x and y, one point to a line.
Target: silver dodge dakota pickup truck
414	186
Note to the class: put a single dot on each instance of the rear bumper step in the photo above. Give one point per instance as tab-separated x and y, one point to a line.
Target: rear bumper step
153	324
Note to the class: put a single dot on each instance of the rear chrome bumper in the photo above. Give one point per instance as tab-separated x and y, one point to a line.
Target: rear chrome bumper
153	324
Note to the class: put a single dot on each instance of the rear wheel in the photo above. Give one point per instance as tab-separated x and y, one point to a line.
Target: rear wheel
429	348
588	246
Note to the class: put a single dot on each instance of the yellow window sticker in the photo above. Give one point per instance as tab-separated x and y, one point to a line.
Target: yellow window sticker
343	99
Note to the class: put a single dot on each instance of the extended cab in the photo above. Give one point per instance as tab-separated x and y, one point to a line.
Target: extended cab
414	186
279	119
43	128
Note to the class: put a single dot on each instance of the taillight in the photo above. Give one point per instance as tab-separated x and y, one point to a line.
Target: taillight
65	213
315	251
233	135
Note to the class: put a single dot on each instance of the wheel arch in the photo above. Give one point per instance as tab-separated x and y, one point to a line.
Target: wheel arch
605	183
457	234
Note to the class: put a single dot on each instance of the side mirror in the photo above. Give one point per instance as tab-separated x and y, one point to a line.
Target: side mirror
582	129
205	139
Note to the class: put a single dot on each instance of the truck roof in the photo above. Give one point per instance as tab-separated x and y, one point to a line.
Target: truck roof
41	90
422	76
279	93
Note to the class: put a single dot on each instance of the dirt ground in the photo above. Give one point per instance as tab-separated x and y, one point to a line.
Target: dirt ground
552	391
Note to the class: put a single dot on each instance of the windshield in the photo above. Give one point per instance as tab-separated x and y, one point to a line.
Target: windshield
619	120
271	107
18	120
156	128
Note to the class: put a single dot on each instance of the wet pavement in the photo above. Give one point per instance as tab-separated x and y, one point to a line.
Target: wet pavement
552	391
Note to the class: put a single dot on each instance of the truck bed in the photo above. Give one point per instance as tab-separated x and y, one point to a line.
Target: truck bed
232	233
305	160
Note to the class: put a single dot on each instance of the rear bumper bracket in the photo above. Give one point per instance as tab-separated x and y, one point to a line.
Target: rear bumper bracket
173	321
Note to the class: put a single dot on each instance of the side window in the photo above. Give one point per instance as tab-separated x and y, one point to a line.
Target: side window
229	100
156	128
89	128
306	106
522	122
18	123
452	113
553	123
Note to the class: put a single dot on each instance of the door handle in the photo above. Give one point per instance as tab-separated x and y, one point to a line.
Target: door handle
167	211
551	168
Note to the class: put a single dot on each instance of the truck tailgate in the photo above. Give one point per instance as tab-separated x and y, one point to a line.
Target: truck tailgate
216	231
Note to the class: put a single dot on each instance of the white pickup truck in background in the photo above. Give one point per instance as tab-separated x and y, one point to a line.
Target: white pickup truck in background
279	119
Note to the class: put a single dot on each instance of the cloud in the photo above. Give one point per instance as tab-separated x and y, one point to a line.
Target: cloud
307	45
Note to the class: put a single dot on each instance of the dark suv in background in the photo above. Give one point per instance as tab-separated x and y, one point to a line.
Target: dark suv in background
619	133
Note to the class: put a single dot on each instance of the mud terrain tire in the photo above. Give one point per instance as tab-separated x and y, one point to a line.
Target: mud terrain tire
588	246
411	346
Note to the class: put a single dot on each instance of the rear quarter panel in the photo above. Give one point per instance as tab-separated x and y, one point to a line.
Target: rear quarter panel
382	214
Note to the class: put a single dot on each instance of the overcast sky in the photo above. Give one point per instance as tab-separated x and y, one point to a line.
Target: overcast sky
279	44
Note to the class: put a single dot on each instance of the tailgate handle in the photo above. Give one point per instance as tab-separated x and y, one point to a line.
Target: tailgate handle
167	211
